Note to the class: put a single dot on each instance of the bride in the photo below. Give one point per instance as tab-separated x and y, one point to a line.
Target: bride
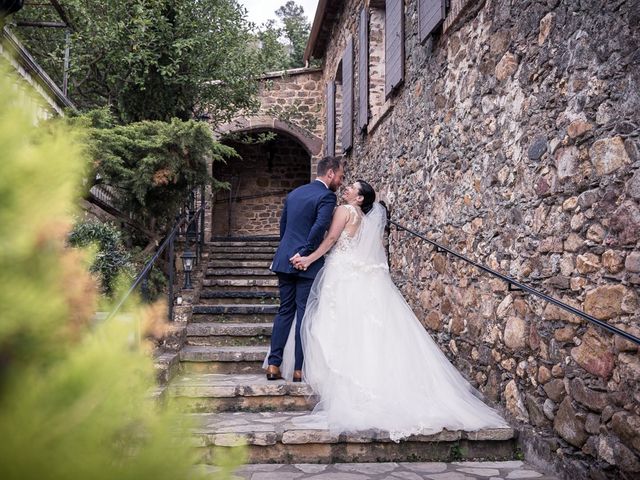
366	355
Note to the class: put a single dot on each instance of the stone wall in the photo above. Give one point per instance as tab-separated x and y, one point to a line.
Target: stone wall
259	186
290	104
297	96
514	140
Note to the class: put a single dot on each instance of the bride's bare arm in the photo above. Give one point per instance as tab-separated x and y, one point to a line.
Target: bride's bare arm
338	223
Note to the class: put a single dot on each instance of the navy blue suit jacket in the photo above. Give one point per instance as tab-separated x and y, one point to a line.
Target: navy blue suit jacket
305	219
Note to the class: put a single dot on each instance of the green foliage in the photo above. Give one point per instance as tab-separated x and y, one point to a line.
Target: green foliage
251	138
273	53
282	47
157	281
74	397
111	259
155	164
296	30
456	454
152	59
31	188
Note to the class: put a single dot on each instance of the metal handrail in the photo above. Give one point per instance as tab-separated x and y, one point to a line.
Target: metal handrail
183	220
522	286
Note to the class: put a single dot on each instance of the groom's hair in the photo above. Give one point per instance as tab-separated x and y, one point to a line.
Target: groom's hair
328	163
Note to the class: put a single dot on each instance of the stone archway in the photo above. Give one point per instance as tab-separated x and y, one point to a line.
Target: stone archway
311	143
261	180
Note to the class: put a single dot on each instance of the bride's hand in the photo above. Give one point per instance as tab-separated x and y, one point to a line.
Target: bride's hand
301	263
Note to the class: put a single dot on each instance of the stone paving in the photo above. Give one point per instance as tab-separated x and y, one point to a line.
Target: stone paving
390	471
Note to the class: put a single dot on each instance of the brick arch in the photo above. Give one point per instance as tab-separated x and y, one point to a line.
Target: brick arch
311	143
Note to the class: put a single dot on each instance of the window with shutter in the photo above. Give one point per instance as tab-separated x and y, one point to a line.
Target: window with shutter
376	65
346	137
363	70
394	45
431	14
330	146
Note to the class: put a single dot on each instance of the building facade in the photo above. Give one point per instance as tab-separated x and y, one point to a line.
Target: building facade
50	101
279	147
507	131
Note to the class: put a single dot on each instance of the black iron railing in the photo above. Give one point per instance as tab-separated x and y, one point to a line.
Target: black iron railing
190	225
512	282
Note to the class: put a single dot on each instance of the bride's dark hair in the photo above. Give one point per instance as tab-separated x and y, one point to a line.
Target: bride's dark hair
368	193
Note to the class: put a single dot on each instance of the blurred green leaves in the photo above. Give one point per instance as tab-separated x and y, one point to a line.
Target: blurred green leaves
75	394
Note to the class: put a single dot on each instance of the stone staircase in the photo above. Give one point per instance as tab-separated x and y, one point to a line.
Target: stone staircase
221	382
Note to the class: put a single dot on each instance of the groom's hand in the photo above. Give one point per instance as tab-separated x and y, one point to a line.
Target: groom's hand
294	258
295	261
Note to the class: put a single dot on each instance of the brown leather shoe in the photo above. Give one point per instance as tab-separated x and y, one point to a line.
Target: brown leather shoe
273	373
297	375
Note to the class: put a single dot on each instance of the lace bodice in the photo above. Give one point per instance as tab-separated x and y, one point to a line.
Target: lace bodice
345	240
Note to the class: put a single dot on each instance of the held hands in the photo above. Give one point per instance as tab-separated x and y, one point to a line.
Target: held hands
300	263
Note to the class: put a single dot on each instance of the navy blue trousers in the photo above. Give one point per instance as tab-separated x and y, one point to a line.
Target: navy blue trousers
294	292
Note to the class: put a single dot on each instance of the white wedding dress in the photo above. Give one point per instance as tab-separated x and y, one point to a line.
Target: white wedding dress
366	355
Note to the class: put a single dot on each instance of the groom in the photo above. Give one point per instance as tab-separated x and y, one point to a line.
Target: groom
305	218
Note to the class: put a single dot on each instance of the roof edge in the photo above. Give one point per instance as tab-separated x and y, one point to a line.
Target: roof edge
318	20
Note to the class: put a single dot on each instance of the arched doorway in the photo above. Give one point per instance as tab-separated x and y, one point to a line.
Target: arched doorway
259	182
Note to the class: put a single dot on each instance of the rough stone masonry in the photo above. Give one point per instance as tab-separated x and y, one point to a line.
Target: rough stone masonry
514	140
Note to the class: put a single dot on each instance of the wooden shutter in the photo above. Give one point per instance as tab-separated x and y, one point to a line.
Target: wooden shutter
346	138
393	45
363	70
431	13
330	147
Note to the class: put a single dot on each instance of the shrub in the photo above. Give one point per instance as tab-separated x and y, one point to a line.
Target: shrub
111	257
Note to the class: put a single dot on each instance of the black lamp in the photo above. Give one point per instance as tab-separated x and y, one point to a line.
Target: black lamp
188	258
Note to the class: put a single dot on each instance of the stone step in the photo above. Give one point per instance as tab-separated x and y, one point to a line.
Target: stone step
225	360
274	437
244	238
267	284
258	318
208	393
212	297
239	272
244	249
166	365
220	263
234	313
243	243
241	282
241	256
239	308
229	334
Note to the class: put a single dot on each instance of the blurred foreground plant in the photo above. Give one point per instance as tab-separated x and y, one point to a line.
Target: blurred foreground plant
74	396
